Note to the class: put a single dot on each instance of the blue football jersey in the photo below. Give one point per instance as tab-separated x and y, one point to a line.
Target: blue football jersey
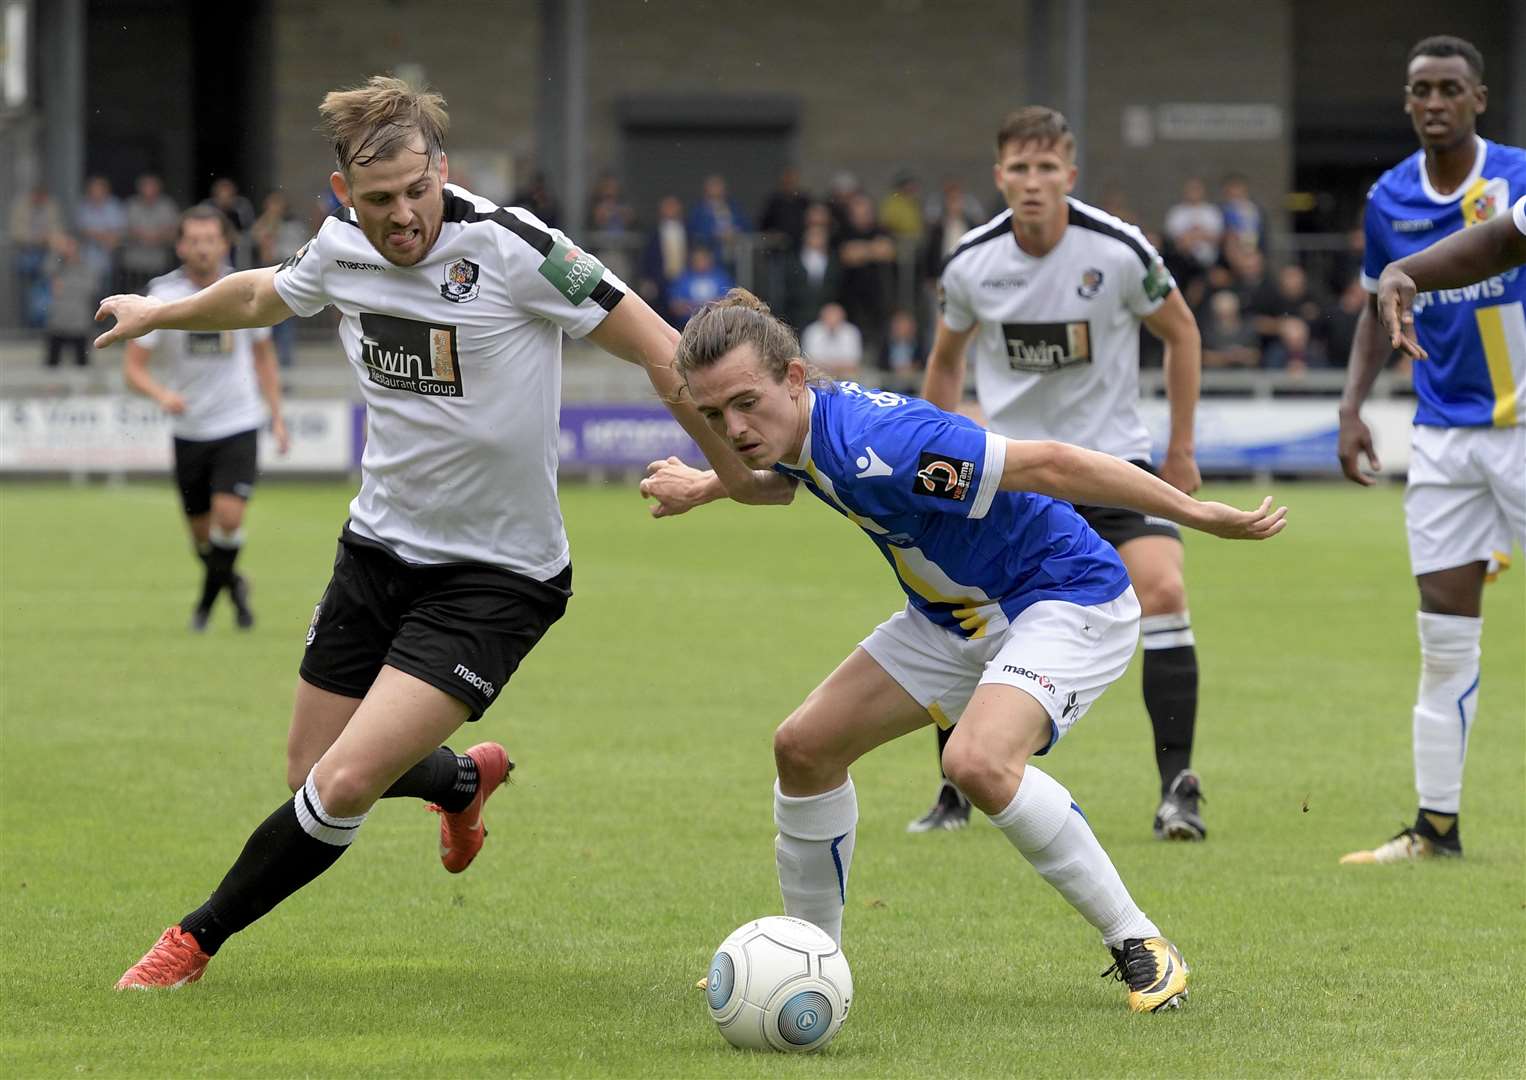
924	485
1476	336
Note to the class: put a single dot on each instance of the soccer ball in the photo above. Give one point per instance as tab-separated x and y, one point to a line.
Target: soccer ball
779	984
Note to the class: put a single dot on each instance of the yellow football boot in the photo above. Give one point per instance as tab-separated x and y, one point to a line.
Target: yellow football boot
1154	972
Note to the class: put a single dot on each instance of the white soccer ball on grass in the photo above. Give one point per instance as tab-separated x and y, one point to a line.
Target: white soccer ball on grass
779	984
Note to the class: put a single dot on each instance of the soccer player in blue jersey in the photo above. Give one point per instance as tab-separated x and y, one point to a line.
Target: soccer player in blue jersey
1466	497
1018	614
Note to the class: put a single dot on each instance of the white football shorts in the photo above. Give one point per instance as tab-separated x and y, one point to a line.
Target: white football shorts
1062	655
1466	499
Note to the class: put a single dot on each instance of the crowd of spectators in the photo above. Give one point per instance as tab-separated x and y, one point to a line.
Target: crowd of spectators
112	245
1253	314
853	273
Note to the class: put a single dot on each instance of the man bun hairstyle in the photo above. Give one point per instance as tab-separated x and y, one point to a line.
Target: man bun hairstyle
376	120
740	318
1447	45
1039	125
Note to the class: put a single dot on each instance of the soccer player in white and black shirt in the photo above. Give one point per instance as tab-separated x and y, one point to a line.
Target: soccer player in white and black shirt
1049	297
454	561
220	388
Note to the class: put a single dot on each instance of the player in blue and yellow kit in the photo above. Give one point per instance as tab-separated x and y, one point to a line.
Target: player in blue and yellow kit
1466	499
1018	615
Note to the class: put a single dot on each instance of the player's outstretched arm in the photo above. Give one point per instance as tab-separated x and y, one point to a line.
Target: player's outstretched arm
236	302
637	334
1466	256
679	488
1085	476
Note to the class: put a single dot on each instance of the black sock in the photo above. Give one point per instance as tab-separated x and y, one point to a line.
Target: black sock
1170	695
279	858
210	585
943	733
1438	827
445	778
220	562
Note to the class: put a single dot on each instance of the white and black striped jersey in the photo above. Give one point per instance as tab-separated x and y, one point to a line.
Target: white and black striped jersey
459	359
1056	349
213	370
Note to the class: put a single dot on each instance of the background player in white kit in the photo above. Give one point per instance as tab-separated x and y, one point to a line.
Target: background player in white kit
1048	297
1465	501
213	389
454	561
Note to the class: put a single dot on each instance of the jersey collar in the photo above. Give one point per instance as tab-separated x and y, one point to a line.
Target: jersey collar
1478	170
805	447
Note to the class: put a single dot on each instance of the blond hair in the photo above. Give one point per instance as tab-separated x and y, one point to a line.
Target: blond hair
740	318
374	121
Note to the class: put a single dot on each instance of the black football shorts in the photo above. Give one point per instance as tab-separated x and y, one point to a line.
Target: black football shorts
1118	526
462	627
204	468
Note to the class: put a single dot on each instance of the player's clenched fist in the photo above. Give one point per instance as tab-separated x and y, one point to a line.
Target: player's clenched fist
676	487
133	314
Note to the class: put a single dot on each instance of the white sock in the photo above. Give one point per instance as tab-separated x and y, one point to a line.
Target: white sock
813	850
1445	707
1049	830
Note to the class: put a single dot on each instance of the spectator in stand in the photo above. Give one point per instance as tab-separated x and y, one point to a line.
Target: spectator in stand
72	301
867	254
840	193
902	354
1290	296
276	236
702	282
666	255
954	213
611	220
153	222
1338	325
813	276
536	197
833	343
1195	226
901	209
34	221
1247	268
1242	217
102	222
716	219
225	197
1294	350
1228	340
784	212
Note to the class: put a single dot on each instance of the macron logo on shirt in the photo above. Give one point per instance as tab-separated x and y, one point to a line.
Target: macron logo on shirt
871	465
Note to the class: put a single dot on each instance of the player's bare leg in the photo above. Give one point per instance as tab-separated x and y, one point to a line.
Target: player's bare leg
1170	678
317	718
401	720
856	708
1451	627
988	757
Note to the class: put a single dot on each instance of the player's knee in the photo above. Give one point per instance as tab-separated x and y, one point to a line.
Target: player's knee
984	777
346	790
1163	594
797	755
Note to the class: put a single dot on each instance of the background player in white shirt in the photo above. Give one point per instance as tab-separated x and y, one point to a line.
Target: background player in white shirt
214	390
1049	297
1465	497
454	562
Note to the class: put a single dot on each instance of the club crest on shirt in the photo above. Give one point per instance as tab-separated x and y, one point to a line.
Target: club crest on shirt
943	477
1484	200
461	281
1091	283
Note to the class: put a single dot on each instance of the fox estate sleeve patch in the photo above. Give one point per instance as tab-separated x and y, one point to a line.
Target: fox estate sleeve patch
1158	282
573	271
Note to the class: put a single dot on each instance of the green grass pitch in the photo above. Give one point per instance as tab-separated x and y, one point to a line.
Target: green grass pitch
637	834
